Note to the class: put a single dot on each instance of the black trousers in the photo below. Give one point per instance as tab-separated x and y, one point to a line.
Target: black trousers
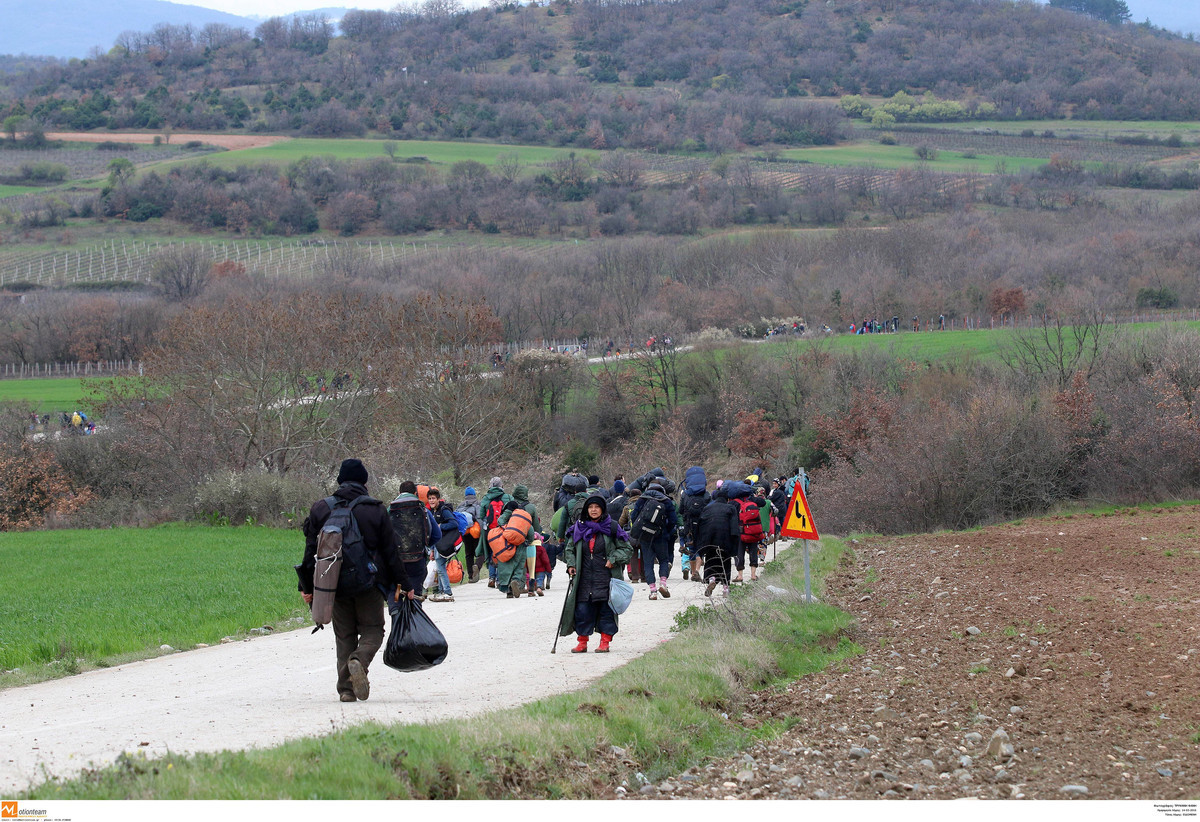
592	615
358	632
717	562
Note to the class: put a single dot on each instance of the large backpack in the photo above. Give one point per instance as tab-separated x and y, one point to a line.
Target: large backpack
651	519
616	505
516	530
411	527
750	519
690	506
344	565
502	549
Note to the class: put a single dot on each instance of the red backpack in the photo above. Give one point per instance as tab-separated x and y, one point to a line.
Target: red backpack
492	513
750	519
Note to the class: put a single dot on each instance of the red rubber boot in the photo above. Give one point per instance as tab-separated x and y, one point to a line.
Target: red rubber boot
581	648
604	640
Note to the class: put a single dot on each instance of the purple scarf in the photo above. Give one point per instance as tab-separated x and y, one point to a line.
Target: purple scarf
585	529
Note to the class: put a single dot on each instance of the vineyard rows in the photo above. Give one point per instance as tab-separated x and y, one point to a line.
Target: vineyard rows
121	260
1010	145
800	176
83	163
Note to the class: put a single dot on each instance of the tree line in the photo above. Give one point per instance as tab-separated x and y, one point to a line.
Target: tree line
705	74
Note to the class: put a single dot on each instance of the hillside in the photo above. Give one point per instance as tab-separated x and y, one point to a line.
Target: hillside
696	74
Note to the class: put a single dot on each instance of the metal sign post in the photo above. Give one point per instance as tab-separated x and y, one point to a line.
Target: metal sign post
798	524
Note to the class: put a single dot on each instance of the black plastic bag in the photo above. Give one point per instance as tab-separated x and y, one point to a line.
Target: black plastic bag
414	642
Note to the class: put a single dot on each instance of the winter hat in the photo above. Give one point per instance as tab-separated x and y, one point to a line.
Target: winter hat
720	483
495	482
470	492
618	487
521	492
654	486
352	470
593	480
599	500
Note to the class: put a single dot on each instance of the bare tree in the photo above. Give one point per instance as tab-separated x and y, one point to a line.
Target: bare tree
181	273
1061	346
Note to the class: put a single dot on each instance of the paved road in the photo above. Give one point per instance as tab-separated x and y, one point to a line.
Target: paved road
266	690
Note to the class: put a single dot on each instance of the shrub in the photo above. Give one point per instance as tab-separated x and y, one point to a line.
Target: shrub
34	487
254	497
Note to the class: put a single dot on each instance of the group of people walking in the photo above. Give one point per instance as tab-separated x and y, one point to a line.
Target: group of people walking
598	533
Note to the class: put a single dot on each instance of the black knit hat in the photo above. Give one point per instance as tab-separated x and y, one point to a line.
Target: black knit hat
352	471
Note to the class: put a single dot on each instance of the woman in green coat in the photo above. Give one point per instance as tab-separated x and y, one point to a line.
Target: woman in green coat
596	552
510	576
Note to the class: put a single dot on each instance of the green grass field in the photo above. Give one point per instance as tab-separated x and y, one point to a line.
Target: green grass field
1189	131
865	153
92	598
13	191
47	395
936	346
437	152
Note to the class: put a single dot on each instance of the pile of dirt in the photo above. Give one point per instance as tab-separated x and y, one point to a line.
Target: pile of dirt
1050	659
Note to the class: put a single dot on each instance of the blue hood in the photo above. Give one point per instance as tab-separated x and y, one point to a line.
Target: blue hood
694	480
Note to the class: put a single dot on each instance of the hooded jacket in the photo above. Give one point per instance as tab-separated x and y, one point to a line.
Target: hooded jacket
520	499
493	493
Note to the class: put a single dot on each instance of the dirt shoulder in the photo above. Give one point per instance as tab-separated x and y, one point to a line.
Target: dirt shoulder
1052	659
229	141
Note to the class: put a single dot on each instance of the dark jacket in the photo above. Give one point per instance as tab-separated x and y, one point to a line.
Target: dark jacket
779	499
718	526
443	514
376	528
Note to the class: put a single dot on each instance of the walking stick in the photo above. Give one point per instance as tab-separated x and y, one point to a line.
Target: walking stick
566	599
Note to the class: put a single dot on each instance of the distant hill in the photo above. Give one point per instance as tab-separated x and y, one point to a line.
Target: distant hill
72	28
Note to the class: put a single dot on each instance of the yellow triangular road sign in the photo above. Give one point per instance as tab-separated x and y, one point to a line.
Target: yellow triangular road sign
798	523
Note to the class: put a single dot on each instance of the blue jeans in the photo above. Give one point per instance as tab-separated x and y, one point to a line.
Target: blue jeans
663	554
443	578
542	578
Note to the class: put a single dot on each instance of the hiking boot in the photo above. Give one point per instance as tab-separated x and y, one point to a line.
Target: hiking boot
581	648
604	640
662	589
348	697
358	680
532	588
473	577
685	573
491	583
712	586
515	588
653	594
540	592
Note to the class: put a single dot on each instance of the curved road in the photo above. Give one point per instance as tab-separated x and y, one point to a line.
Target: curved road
265	690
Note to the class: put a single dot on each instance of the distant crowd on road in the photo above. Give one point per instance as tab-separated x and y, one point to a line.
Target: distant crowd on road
597	533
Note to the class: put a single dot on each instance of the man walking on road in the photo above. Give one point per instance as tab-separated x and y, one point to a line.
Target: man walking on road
357	619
